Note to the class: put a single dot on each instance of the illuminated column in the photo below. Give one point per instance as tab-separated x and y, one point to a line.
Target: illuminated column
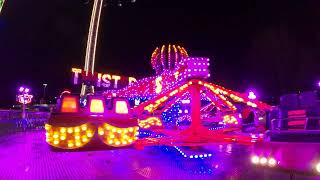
92	43
195	107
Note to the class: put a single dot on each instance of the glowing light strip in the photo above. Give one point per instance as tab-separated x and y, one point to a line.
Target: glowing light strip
153	58
184	51
151	121
237	97
201	156
209	96
162	57
93	34
88	49
96	36
1	4
171	103
175	55
223	98
169	56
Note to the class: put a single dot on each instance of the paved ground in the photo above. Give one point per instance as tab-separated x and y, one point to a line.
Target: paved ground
26	156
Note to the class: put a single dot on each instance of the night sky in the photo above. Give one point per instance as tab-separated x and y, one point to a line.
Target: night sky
270	46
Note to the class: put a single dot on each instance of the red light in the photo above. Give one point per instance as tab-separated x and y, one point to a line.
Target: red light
121	107
96	106
69	104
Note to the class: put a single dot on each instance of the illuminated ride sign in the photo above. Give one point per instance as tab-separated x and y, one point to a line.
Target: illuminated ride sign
100	80
24	98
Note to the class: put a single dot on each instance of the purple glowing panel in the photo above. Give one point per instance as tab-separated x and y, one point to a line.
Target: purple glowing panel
195	67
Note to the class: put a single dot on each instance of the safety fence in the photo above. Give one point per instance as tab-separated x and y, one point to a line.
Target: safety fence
12	121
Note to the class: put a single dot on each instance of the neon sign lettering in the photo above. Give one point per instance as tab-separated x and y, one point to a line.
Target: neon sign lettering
105	81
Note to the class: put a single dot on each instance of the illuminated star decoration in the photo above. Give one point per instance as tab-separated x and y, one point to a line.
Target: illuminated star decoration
167	57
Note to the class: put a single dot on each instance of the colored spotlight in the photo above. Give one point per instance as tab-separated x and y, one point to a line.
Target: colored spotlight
272	162
263	160
255	159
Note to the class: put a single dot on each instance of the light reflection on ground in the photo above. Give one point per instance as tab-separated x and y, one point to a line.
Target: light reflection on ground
27	156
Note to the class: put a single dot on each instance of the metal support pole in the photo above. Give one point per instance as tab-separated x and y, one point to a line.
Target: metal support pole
195	107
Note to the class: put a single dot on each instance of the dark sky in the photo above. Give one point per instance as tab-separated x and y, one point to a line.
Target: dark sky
271	46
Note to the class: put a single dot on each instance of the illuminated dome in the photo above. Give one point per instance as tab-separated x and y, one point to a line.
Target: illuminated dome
167	57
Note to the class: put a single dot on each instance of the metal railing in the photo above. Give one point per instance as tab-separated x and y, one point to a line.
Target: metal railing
12	121
311	123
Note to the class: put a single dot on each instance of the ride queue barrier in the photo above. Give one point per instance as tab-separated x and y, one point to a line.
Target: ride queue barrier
12	121
308	123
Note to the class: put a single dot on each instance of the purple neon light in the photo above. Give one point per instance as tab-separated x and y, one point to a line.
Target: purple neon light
27	90
252	95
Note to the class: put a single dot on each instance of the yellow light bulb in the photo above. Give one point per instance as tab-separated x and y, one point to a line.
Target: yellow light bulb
84	127
84	139
78	144
101	132
70	144
63	130
110	141
62	138
47	127
77	137
89	134
55	142
55	136
77	129
70	130
119	131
